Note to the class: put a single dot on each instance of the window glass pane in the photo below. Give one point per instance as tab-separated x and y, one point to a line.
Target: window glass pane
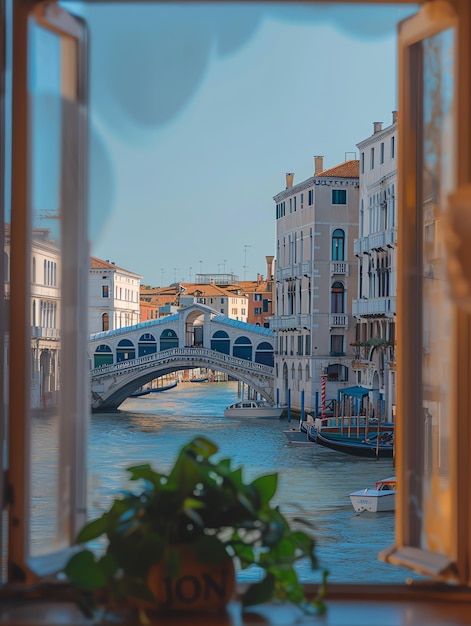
437	182
45	85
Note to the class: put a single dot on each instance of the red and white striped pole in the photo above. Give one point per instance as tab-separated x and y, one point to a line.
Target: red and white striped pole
323	395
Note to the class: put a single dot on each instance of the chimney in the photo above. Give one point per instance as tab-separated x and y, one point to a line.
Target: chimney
394	117
289	180
377	127
318	164
269	260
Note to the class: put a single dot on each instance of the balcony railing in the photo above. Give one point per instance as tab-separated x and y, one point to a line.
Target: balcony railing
338	320
339	267
374	306
38	332
375	240
284	322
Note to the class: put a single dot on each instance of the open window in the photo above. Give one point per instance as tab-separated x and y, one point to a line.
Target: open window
49	273
433	434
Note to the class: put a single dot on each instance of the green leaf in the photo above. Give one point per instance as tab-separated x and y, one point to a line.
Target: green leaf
259	592
84	572
203	447
209	549
266	487
93	529
145	472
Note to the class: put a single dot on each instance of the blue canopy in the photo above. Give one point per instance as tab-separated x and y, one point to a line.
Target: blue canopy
356	392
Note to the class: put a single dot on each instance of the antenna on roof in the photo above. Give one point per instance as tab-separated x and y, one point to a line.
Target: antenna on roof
354	156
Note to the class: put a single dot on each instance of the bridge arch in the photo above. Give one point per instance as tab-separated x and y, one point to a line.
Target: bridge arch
168	339
103	355
112	384
147	344
125	351
197	334
264	353
220	342
242	348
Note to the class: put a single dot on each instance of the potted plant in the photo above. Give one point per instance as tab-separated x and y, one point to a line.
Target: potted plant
173	544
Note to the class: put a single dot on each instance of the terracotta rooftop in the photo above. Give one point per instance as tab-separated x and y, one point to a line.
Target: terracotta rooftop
349	169
99	264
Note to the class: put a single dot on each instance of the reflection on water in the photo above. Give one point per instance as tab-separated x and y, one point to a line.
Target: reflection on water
153	427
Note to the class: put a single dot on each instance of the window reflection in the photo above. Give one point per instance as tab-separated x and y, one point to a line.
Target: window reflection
437	182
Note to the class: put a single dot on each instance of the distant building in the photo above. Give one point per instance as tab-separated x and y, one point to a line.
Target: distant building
247	301
114	296
46	274
229	301
260	296
316	280
376	251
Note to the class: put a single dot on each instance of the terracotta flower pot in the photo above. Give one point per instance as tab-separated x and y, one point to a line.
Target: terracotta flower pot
186	583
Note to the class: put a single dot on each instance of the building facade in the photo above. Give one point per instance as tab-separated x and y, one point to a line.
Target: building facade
376	251
260	296
316	280
114	296
45	319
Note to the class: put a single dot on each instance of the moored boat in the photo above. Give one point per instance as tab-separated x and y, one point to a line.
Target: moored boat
299	436
376	446
139	393
163	387
381	498
253	408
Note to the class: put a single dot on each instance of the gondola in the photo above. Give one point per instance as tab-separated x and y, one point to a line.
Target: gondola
372	448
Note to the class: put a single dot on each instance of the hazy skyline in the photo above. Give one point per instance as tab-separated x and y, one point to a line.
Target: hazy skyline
198	112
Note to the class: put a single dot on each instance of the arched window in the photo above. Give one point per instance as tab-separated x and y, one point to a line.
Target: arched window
308	375
220	342
242	348
103	356
105	321
337	304
168	339
337	373
264	353
34	269
147	344
34	313
300	372
125	351
338	245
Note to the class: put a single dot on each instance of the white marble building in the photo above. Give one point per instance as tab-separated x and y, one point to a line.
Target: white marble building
376	251
316	280
114	296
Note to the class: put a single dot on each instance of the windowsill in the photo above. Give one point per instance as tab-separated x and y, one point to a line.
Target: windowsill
420	604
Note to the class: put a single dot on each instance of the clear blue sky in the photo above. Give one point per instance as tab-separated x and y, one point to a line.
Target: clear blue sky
199	110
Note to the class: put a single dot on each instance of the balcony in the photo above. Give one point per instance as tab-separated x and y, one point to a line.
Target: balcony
338	320
374	307
375	240
38	332
288	322
339	267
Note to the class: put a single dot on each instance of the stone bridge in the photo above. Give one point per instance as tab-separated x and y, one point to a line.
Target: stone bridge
123	360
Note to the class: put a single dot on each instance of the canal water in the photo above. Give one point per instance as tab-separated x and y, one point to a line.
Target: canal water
153	427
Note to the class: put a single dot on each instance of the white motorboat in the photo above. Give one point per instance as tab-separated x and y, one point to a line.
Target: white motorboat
253	408
381	498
